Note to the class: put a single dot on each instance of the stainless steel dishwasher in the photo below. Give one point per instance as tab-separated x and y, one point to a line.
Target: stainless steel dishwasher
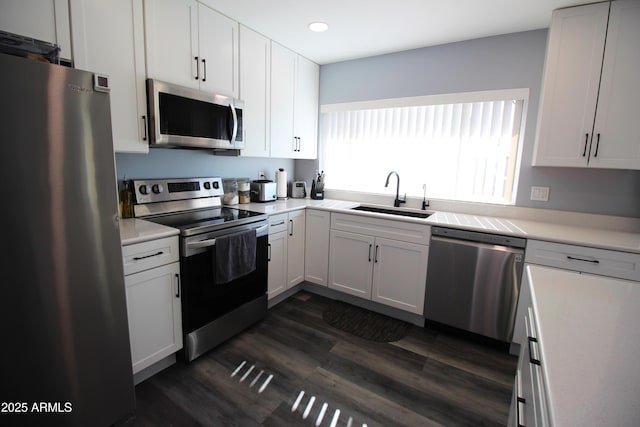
473	281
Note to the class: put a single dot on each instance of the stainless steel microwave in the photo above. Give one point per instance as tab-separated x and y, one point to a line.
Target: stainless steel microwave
185	117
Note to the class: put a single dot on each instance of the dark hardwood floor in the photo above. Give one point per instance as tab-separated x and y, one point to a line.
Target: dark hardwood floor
294	369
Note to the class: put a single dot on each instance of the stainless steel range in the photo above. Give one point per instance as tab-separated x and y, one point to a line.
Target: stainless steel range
223	257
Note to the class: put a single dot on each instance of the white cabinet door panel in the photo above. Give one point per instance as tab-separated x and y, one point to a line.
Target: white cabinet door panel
351	263
283	67
316	258
616	132
277	277
570	85
154	312
295	248
400	274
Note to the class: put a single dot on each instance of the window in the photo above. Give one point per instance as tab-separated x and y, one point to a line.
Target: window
460	147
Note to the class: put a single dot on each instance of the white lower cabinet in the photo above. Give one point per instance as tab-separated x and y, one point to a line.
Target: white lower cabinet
389	271
316	260
277	279
152	282
286	251
529	399
153	307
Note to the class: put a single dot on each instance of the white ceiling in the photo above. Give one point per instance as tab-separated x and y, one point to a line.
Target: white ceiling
361	28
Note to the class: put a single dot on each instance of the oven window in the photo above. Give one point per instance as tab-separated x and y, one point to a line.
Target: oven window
203	300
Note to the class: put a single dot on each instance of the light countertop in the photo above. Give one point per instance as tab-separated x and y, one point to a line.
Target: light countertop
560	233
133	230
136	230
587	328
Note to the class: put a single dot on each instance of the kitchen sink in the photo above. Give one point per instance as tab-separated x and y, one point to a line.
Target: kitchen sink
392	211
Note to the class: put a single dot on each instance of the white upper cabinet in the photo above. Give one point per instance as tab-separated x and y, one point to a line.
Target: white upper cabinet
108	38
191	45
46	20
294	104
617	118
587	116
255	72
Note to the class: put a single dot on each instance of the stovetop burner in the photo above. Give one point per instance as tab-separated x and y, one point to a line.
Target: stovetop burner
201	221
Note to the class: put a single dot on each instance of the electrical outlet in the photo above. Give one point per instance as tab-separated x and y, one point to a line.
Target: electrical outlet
540	194
261	175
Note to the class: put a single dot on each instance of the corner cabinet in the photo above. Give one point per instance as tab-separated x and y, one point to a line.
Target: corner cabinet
108	38
316	260
381	260
152	282
191	45
294	104
587	112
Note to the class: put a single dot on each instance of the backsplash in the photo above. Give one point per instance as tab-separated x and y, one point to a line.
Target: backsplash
179	163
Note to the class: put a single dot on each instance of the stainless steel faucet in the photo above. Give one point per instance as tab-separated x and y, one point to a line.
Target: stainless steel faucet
397	200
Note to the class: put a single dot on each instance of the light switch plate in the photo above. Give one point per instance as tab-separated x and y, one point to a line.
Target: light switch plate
540	194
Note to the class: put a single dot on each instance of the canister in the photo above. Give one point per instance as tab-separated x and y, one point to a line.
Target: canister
230	187
244	190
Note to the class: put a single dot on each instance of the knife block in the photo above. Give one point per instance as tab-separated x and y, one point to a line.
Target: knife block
317	190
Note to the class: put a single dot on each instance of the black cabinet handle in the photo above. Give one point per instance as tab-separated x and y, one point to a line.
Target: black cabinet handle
586	142
197	68
204	65
178	282
370	245
593	261
533	360
269	255
291	227
138	258
597	145
144	126
375	258
519	413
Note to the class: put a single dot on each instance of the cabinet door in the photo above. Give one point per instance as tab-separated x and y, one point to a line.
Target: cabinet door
400	274
283	65
218	52
255	72
617	139
295	248
305	119
46	20
171	33
277	280
153	308
316	260
570	85
351	263
108	38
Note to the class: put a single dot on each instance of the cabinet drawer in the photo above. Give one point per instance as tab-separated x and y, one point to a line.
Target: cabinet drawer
622	265
390	229
277	223
146	255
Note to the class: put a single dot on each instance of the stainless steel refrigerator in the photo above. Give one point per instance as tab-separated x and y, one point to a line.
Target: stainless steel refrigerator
65	343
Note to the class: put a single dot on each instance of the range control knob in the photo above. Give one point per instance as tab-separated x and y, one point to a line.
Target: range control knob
157	188
207	186
143	189
215	184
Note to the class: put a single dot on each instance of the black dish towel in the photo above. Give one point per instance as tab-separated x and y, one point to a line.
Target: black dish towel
235	255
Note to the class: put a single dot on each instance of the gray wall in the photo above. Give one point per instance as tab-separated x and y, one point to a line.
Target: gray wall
178	163
501	62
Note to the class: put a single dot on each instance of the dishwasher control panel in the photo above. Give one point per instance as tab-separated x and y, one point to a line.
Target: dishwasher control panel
476	236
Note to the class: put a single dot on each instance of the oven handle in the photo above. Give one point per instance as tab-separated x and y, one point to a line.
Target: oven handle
211	242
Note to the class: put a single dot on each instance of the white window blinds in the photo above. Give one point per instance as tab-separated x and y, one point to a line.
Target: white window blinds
459	150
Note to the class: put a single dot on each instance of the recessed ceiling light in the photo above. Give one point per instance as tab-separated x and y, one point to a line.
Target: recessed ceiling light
318	27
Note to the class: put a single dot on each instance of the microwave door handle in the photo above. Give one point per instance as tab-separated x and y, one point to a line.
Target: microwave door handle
234	131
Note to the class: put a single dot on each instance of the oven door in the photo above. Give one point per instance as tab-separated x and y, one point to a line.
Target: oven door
205	302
